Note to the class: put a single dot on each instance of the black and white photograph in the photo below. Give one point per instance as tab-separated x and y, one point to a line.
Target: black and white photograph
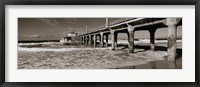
100	43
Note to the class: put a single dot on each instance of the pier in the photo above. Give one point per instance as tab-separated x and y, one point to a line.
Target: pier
130	26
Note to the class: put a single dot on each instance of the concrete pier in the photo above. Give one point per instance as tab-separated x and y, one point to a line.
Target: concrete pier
106	40
172	34
112	32
90	40
152	38
130	26
95	40
131	38
83	39
115	39
102	39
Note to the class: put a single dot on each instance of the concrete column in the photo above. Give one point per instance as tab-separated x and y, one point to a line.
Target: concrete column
79	39
102	38
95	40
86	40
116	34
172	34
73	39
106	40
131	38
99	39
65	40
76	39
83	39
152	38
112	32
90	40
128	39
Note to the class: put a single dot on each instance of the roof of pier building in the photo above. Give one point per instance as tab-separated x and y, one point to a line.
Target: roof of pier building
71	34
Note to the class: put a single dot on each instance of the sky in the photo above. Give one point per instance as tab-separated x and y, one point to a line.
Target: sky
55	28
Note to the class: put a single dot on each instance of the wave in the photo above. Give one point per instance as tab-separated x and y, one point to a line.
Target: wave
58	49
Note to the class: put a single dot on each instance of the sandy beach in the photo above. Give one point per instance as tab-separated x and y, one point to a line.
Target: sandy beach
55	55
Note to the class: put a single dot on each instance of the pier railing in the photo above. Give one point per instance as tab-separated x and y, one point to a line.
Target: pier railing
110	23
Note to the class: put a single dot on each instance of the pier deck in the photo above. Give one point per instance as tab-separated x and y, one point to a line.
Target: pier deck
130	26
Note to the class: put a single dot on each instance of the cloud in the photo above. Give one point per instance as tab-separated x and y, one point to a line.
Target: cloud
51	22
59	23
